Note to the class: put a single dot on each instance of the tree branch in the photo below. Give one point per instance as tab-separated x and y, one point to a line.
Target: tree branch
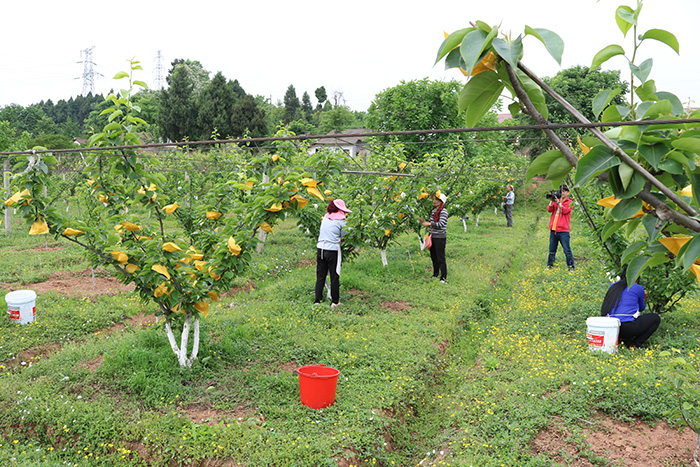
607	142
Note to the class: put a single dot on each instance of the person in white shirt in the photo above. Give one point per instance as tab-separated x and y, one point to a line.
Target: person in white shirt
328	255
509	200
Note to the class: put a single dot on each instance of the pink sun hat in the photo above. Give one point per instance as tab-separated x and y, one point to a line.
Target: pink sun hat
340	204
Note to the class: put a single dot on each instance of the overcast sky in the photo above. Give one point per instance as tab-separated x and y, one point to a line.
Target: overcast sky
358	48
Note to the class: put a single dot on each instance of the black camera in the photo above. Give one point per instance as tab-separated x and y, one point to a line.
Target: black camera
553	194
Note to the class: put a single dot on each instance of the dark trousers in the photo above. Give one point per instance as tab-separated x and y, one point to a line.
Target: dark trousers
635	333
554	239
437	254
509	215
327	263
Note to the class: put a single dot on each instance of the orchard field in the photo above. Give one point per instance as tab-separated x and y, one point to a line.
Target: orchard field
491	369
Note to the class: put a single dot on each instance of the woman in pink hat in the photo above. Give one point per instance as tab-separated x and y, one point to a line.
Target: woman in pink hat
328	256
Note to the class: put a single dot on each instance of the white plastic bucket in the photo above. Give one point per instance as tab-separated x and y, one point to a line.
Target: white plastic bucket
603	333
21	305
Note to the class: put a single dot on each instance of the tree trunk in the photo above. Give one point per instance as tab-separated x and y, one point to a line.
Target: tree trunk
262	235
382	253
6	182
464	223
181	352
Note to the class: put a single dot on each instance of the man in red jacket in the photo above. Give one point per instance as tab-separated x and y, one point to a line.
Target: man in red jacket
559	226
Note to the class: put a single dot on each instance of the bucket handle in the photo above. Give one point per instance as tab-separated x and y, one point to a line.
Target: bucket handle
313	375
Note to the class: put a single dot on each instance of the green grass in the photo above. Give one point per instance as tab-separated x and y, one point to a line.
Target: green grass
460	374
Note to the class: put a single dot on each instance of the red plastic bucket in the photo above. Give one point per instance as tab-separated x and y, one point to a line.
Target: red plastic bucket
317	385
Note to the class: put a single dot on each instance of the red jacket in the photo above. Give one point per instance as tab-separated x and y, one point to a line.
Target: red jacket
564	216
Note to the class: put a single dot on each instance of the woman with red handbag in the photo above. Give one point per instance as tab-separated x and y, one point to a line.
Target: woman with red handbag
438	235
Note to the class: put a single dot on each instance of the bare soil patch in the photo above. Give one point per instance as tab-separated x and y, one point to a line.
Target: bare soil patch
75	284
32	355
302	263
206	415
396	306
43	248
93	364
624	444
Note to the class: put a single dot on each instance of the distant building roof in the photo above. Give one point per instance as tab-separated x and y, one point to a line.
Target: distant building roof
503	117
346	137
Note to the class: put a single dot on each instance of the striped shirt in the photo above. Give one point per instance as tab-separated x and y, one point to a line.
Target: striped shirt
438	229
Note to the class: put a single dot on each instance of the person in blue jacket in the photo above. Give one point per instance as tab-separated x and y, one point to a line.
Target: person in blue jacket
626	304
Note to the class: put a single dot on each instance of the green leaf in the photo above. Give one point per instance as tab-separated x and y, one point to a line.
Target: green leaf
121	74
679	157
687	144
653	153
451	41
553	43
140	83
606	54
675	101
635	268
514	108
635	185
658	108
692	252
647	91
631	134
653	226
626	173
479	95
624	16
611	114
541	164
511	53
632	250
471	48
483	26
642	71
598	160
534	92
671	166
453	60
610	228
626	208
603	98
558	170
662	36
657	258
695	181
112	126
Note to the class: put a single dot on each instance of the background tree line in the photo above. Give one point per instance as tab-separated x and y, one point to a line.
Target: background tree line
194	106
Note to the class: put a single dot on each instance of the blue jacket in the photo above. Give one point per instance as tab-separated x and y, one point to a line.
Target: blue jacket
631	301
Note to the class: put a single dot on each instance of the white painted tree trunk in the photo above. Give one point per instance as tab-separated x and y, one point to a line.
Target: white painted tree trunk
262	235
464	223
181	352
422	243
6	186
382	253
477	219
328	289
